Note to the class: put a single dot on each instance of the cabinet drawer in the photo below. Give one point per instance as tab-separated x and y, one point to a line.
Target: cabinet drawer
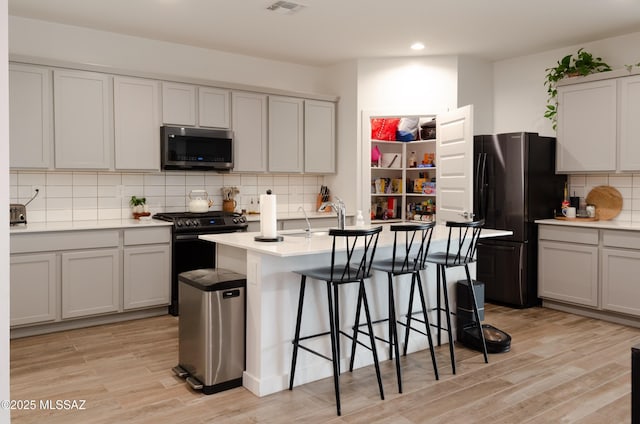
626	239
147	236
570	235
67	240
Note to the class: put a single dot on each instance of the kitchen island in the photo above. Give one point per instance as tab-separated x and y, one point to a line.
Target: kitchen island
272	296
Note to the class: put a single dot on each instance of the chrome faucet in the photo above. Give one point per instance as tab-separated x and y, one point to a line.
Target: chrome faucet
308	230
340	209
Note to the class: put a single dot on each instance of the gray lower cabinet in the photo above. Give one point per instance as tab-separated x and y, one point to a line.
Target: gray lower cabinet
590	267
34	287
71	275
620	256
146	268
90	282
568	265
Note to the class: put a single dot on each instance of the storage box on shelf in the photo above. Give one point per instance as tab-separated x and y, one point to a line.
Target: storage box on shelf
403	173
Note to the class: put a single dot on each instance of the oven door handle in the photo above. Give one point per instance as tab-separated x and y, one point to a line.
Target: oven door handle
182	237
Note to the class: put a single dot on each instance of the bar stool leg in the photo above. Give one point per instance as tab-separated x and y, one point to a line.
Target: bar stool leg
438	303
334	357
372	339
356	326
448	317
336	309
476	314
409	313
296	337
425	314
393	332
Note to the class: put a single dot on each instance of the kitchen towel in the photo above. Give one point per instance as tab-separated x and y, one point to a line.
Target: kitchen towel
268	225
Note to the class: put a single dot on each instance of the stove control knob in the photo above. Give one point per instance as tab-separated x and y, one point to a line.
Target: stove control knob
195	223
243	219
187	223
235	220
178	223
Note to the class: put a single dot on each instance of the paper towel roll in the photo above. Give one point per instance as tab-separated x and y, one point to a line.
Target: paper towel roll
268	225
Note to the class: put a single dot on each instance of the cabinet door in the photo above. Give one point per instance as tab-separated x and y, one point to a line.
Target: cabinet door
137	123
82	115
620	284
249	117
90	282
213	110
147	276
29	117
286	134
629	89
319	137
587	127
568	272
178	104
33	288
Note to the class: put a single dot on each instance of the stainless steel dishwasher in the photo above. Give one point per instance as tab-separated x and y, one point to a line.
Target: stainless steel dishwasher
211	329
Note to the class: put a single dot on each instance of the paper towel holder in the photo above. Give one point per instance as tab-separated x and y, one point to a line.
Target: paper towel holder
262	238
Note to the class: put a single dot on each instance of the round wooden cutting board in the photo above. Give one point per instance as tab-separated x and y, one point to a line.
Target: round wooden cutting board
607	200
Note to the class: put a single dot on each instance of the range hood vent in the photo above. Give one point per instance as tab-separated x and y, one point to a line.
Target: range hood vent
285	7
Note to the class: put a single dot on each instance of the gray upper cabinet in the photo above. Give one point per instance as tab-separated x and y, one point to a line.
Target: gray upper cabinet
249	125
178	104
136	123
213	107
83	120
30	117
629	92
587	127
286	132
319	136
190	105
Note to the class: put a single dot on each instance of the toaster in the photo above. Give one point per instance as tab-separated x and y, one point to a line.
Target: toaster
17	214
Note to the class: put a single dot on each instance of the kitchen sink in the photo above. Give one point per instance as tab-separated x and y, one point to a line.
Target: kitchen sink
308	234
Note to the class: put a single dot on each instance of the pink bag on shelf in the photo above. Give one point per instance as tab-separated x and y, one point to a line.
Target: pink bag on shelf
375	154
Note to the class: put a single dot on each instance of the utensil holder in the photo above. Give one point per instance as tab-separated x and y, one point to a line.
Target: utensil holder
229	205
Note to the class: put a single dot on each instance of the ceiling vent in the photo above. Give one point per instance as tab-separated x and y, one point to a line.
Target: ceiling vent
285	7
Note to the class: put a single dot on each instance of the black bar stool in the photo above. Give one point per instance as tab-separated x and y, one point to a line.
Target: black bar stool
410	247
351	258
461	249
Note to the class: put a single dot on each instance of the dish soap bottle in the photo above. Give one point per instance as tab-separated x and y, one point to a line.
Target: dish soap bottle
359	219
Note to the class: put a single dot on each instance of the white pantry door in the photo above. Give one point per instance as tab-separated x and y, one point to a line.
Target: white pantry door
454	153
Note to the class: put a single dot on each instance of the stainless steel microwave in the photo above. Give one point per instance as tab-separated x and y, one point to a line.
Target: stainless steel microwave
196	149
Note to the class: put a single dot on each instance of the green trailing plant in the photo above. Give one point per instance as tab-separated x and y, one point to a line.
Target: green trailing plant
583	63
629	68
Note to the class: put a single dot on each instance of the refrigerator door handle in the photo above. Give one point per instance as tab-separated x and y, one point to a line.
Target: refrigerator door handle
482	184
521	289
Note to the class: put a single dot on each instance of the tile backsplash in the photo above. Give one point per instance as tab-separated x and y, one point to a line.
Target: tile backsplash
78	196
627	184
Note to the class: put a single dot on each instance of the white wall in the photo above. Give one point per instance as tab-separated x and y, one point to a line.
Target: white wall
520	95
5	416
475	87
42	39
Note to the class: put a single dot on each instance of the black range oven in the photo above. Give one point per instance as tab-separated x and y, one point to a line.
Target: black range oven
188	251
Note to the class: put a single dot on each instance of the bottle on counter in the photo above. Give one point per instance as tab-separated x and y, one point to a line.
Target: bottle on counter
359	219
412	160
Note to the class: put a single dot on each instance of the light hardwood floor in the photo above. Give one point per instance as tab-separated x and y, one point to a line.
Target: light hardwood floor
561	368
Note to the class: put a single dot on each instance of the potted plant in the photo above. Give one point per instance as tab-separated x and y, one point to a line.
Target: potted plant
583	63
139	206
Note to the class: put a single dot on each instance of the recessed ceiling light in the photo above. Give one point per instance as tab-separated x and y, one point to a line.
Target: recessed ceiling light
417	46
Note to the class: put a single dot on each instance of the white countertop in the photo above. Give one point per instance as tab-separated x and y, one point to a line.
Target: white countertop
606	225
101	224
299	245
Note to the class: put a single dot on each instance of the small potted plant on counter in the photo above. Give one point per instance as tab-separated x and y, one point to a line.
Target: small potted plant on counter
582	64
139	207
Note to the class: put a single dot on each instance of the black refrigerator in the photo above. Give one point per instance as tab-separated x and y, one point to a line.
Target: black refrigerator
514	184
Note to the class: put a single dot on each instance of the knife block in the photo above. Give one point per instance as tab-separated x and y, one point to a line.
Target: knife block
319	203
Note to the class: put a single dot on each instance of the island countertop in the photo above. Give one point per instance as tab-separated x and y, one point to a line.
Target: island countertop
294	243
602	224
